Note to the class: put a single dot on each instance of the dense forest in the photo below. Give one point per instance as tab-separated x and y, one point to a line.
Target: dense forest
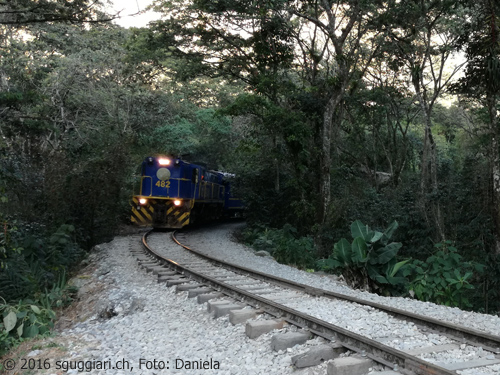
364	136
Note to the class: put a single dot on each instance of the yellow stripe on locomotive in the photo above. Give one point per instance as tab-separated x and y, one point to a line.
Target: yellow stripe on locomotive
160	212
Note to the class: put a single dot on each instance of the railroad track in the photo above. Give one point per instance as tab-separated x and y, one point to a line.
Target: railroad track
202	274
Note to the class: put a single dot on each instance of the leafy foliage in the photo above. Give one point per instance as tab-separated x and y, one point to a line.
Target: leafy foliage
35	276
444	277
28	318
19	12
39	263
284	245
370	260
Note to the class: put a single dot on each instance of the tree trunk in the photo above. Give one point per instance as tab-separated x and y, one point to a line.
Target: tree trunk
325	160
329	132
428	178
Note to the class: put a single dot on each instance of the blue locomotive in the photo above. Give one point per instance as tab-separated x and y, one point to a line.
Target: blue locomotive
174	193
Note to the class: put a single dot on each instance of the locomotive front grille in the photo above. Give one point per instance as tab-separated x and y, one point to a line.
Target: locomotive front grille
159	214
168	215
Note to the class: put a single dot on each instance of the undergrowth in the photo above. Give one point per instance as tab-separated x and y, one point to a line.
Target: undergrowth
372	262
33	279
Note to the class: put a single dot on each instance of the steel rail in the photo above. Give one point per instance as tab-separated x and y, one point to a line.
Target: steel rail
459	333
379	352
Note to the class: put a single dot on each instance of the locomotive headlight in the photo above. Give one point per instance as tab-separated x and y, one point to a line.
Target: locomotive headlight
164	161
177	202
143	201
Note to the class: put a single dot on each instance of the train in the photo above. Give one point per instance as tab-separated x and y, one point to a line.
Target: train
174	193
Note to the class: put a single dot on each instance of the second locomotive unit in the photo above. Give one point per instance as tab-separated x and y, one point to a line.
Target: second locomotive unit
174	193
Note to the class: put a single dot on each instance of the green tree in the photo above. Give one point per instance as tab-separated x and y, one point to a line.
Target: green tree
481	86
424	38
21	12
284	51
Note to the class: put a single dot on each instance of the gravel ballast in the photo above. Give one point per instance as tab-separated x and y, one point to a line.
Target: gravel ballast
360	319
210	241
139	323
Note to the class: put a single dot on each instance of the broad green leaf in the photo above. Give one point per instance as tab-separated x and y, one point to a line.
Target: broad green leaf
376	236
359	249
397	266
35	309
20	330
374	274
388	267
10	321
381	279
342	251
389	231
407	271
329	263
358	229
388	252
30	331
396	280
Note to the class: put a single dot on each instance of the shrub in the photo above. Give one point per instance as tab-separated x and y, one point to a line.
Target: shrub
23	320
31	317
35	262
444	277
284	245
369	261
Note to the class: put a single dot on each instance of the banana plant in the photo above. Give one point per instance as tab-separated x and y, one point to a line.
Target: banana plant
370	259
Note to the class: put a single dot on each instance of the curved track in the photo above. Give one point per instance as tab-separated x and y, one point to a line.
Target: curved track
265	292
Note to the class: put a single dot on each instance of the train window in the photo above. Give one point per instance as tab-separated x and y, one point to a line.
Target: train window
194	178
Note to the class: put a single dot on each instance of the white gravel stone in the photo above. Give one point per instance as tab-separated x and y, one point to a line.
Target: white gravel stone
143	321
137	318
367	321
488	370
218	242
